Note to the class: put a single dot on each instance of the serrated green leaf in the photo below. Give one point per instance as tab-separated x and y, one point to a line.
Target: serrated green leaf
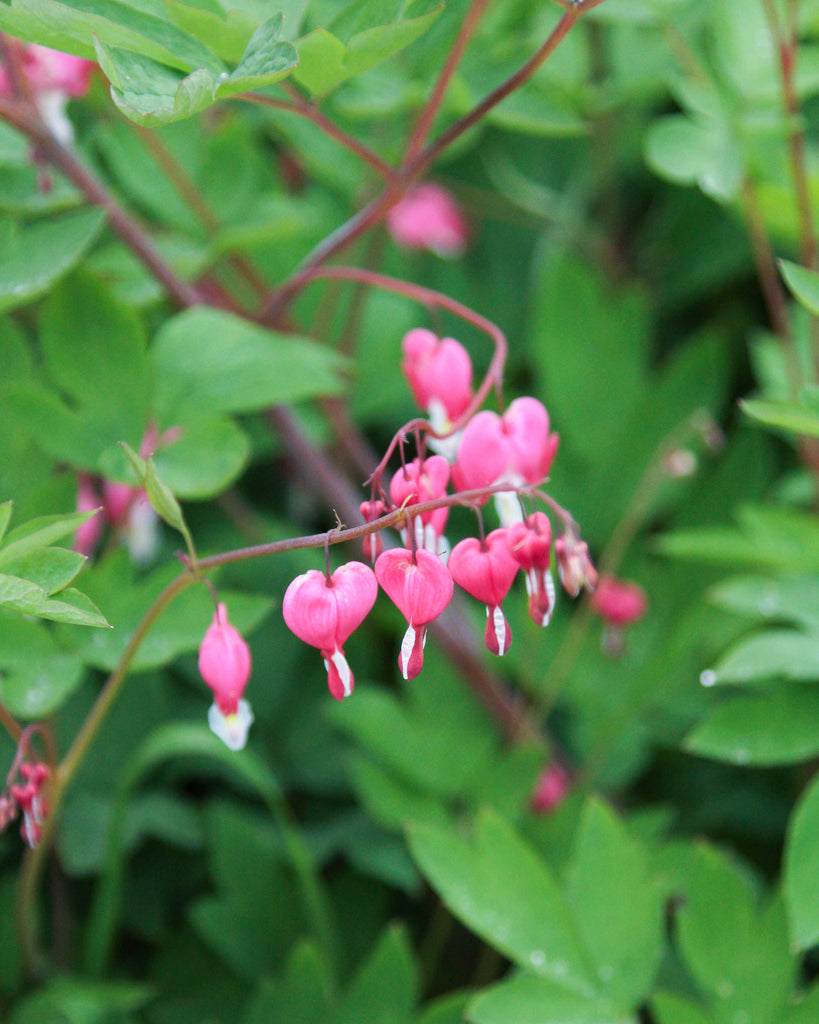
618	909
502	890
776	654
210	361
801	865
35	256
531	1000
777	727
265	61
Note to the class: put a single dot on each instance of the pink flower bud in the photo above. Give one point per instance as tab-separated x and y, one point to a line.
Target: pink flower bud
515	448
421	587
439	373
87	536
530	545
487	571
551	789
619	603
372	545
429	218
224	662
423	481
323	612
574	564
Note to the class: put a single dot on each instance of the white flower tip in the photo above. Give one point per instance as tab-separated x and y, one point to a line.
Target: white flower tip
232	730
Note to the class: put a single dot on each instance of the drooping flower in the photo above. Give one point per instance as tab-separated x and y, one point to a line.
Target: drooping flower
551	789
224	662
439	373
53	78
324	610
487	571
28	797
372	545
530	544
574	564
428	217
420	586
619	604
423	481
515	448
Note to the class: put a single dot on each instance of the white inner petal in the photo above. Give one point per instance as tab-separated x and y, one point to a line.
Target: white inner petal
501	632
232	730
344	672
407	645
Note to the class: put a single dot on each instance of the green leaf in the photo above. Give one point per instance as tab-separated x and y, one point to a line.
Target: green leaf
72	608
671	1008
774	728
791	598
159	494
208	457
803	283
33	257
325	61
207	360
50	568
786	415
36	675
5	516
801	867
75	1001
701	151
530	1000
618	908
503	891
39	533
226	36
264	62
776	654
390	968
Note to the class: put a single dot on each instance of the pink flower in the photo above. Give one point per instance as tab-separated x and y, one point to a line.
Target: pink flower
487	571
515	448
551	789
87	536
530	545
224	662
48	69
423	481
619	603
574	564
429	218
439	373
323	611
420	586
372	545
29	798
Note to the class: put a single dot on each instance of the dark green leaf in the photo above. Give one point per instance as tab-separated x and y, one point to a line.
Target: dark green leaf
800	872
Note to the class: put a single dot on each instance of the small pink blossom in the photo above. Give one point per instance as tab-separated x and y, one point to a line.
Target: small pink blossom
87	535
224	662
574	564
619	603
28	796
551	789
372	545
530	545
428	217
420	586
515	448
487	571
439	373
53	78
423	481
324	610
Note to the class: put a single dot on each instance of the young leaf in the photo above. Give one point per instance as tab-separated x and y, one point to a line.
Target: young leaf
802	869
527	999
803	283
39	533
785	415
265	61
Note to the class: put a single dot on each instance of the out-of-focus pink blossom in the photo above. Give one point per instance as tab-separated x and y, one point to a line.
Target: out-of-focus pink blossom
574	564
618	602
423	481
420	586
87	535
372	545
428	217
324	610
53	78
551	789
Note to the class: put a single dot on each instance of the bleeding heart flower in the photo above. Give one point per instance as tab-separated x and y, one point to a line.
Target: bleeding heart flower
429	218
439	373
372	545
423	481
224	662
487	571
619	603
324	610
574	564
515	448
420	586
530	545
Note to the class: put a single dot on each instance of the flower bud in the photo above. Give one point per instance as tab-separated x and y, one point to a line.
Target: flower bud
224	662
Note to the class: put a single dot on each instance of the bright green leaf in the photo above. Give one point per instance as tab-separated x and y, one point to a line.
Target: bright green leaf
786	415
531	1000
39	533
776	654
802	869
265	61
803	283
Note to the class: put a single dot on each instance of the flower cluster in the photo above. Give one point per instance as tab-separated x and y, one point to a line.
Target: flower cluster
498	454
26	797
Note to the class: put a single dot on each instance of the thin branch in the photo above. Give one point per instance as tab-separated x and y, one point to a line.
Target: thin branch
298	105
427	116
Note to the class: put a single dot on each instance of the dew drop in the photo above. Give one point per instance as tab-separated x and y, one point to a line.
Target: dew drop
537	958
708	677
767	604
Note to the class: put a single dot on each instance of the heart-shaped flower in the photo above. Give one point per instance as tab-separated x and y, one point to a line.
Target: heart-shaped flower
324	610
224	662
530	545
423	481
420	586
486	571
